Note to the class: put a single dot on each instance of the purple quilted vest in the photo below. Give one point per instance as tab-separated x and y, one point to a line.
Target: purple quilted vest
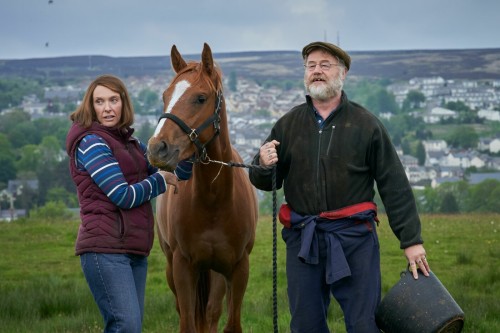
106	228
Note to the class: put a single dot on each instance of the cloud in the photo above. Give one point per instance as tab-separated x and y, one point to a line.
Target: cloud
150	27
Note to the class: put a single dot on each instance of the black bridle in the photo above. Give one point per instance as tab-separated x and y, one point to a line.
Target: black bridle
194	134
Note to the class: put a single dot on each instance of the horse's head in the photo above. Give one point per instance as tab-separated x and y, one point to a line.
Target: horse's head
191	112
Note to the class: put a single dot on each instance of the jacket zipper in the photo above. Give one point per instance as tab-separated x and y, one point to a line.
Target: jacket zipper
318	177
330	141
318	161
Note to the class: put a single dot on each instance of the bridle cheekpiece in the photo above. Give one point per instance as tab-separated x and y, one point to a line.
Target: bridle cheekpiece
194	134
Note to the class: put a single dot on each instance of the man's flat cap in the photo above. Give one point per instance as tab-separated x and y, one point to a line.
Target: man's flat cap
330	48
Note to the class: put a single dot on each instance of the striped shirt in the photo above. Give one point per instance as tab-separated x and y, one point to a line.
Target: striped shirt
95	156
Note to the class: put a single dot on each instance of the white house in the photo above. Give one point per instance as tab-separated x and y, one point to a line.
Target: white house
435	145
491	145
489	115
438	113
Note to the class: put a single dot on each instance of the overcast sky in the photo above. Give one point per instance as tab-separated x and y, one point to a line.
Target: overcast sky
121	28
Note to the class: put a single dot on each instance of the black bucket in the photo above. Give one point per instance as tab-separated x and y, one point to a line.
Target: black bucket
419	306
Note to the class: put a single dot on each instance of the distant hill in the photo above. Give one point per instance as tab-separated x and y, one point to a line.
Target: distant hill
450	64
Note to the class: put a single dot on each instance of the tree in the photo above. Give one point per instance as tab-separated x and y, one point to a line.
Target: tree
51	211
460	191
373	95
145	132
421	153
13	89
7	158
24	134
7	169
428	200
9	120
458	106
463	137
30	156
381	101
465	114
449	204
484	197
59	194
69	108
52	170
399	126
56	127
414	99
148	99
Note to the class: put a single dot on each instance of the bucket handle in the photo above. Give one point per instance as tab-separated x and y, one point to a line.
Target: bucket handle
408	270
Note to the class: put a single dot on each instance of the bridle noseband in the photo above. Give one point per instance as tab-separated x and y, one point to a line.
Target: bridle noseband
194	134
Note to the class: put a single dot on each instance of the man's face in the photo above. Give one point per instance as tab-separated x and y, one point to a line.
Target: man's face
323	76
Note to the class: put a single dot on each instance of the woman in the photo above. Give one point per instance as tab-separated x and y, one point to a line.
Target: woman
115	184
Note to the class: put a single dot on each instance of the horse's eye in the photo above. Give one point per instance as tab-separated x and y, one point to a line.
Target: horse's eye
201	99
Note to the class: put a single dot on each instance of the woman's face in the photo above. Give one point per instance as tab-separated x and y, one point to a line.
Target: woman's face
107	106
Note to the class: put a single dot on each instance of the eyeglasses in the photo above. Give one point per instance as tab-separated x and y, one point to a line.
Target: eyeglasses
325	66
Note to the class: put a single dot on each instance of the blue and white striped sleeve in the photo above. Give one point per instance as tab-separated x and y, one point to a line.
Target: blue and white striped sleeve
95	156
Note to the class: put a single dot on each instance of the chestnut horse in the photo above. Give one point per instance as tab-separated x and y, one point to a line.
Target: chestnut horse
207	228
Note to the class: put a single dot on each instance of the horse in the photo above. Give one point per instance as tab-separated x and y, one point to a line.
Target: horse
206	225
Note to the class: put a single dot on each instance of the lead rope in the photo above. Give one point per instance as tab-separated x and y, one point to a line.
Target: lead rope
275	278
275	233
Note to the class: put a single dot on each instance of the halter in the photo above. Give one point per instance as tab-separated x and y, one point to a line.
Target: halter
194	134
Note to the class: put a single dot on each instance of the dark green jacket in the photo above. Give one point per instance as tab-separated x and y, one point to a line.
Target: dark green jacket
337	166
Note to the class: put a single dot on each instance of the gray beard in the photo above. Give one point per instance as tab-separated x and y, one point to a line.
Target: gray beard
331	89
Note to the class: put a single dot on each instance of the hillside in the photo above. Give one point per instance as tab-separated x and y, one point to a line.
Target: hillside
398	65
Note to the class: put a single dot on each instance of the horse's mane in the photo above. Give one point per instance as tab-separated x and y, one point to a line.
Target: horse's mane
194	66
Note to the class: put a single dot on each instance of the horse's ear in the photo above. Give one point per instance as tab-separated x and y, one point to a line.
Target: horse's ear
176	59
207	60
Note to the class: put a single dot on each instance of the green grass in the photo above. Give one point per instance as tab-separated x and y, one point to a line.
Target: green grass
42	288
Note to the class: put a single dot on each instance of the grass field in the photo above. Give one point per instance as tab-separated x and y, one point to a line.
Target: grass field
42	288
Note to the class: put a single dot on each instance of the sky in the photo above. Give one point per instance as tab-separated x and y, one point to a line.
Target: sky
131	28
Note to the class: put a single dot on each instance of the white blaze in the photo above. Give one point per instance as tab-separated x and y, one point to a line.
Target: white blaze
180	89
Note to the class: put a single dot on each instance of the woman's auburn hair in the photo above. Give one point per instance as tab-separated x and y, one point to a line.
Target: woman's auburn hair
85	114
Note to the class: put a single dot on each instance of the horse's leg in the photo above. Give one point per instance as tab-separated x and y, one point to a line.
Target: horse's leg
236	290
185	280
214	306
169	274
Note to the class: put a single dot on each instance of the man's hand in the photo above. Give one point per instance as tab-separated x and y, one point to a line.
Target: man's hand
268	153
417	259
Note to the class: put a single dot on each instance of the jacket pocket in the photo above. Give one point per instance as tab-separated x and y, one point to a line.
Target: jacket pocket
120	224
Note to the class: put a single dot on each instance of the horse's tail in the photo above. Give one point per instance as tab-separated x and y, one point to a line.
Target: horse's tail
202	293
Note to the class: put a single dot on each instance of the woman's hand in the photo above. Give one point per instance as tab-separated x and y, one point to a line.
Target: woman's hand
170	179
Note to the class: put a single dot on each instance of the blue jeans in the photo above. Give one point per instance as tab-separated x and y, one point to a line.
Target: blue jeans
358	295
118	283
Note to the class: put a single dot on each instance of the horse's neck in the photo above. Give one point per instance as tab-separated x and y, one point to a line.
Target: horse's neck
215	177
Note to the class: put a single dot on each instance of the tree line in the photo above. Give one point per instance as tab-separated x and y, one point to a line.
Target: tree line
34	149
448	198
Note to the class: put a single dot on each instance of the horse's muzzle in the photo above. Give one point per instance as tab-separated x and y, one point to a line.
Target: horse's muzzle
162	156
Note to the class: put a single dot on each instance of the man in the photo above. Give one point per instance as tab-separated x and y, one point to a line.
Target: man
329	152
